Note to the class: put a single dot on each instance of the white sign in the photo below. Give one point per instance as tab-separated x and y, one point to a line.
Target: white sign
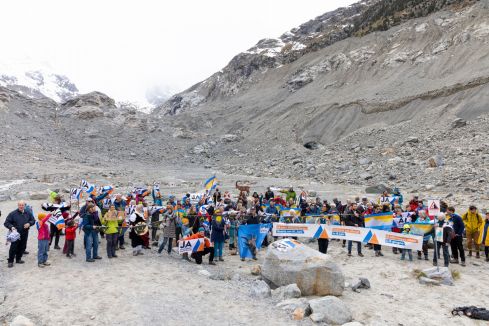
433	207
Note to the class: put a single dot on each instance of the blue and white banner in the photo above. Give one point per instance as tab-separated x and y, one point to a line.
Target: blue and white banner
251	235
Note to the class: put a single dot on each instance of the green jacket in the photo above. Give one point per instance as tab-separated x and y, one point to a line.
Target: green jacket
112	226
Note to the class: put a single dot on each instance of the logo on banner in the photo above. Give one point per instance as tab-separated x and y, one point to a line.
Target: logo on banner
189	246
321	233
285	245
371	237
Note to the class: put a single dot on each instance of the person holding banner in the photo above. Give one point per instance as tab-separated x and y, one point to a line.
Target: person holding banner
443	236
424	219
208	249
169	229
407	230
323	243
353	218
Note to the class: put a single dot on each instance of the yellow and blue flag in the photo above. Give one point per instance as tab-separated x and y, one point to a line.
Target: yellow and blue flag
381	221
211	183
421	228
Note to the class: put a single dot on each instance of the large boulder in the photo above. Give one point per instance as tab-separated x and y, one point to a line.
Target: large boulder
21	321
288	261
330	310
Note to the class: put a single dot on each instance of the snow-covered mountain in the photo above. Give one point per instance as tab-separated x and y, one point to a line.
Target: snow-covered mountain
37	81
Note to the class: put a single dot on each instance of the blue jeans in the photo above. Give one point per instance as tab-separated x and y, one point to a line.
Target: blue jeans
42	251
409	252
91	240
359	246
218	249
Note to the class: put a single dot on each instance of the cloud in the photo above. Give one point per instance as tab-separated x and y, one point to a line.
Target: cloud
129	48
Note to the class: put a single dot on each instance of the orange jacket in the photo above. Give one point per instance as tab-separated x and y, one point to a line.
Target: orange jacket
207	243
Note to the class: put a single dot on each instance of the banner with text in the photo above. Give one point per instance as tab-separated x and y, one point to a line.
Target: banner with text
323	231
190	246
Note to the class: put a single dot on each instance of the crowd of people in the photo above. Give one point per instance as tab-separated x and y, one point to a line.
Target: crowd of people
215	217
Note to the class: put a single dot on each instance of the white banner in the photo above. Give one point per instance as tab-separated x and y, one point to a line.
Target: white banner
323	231
189	246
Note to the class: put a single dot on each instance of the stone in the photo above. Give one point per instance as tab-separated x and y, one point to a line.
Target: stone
377	189
41	195
260	289
366	176
363	283
204	272
229	138
428	281
255	270
286	292
441	274
21	321
353	323
330	310
364	161
432	162
412	140
458	123
288	261
292	305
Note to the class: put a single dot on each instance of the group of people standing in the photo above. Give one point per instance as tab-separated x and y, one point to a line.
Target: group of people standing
215	217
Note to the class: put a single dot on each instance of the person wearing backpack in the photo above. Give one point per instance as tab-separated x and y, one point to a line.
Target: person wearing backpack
444	234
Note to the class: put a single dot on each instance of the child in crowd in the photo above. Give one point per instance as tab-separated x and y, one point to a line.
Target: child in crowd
42	240
407	230
70	236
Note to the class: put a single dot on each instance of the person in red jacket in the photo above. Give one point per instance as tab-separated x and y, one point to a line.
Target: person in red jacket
42	239
208	249
70	237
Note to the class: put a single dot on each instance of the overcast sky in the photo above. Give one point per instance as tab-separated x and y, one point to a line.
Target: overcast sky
124	48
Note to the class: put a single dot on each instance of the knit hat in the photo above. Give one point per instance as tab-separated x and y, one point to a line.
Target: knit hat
201	229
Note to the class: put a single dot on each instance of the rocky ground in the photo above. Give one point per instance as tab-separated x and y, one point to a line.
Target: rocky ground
160	289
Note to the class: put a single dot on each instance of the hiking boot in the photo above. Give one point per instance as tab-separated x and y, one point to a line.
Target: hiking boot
46	263
140	253
90	260
221	259
377	254
381	254
349	254
10	265
186	258
122	248
57	247
426	258
462	264
20	262
487	258
114	256
254	258
26	252
40	265
477	255
212	263
470	253
454	261
68	255
98	257
360	254
434	263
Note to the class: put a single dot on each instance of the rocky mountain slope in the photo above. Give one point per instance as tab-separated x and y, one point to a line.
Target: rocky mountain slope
405	106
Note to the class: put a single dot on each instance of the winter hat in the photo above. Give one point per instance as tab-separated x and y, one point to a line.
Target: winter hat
201	229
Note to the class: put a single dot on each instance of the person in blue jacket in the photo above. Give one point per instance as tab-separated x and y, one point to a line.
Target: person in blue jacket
457	242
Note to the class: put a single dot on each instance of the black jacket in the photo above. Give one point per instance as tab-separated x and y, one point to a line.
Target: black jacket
17	219
351	219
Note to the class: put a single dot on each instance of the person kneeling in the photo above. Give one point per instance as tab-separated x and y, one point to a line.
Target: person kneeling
208	249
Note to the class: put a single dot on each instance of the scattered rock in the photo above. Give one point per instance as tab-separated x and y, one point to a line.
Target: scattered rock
432	162
229	138
288	262
255	270
330	310
412	140
260	289
377	189
364	161
363	283
21	321
204	272
298	314
353	323
291	305
366	176
458	123
286	292
441	274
